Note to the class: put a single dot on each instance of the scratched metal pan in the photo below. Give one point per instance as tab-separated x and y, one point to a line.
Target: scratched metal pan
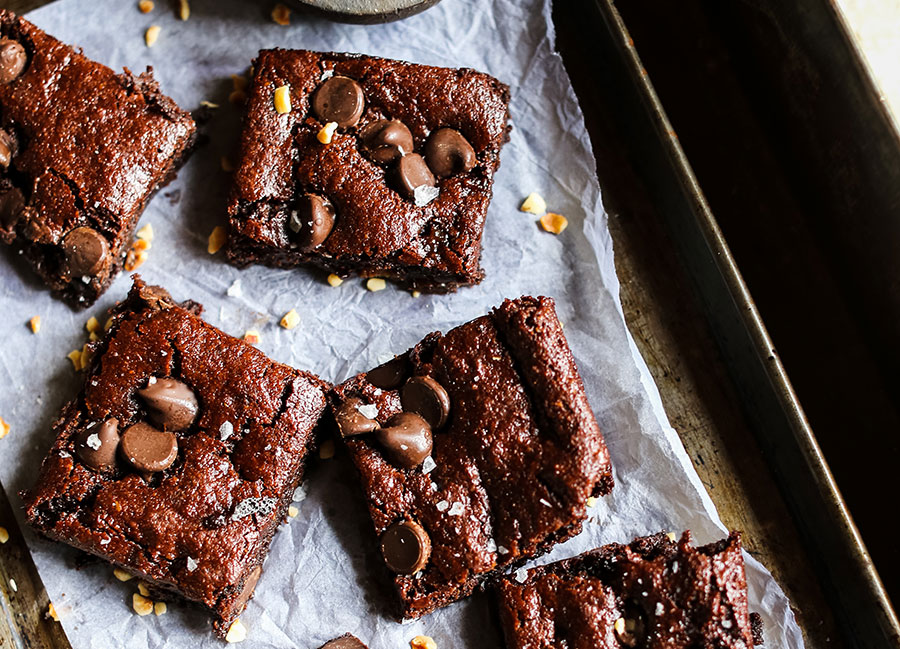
842	564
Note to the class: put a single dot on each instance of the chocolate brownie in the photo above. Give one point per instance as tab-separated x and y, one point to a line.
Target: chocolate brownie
346	641
400	191
477	450
81	151
653	593
178	459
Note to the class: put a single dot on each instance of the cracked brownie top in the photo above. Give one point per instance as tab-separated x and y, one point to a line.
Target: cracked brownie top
358	164
477	449
180	455
81	150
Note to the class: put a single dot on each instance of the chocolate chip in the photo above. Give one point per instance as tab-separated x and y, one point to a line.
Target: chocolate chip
385	140
148	450
411	172
390	375
350	421
448	153
339	99
85	250
97	444
346	641
406	439
12	203
427	397
406	547
7	148
12	60
312	220
170	403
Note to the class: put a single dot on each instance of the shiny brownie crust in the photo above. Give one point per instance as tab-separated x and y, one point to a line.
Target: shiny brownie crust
377	232
90	148
514	466
202	527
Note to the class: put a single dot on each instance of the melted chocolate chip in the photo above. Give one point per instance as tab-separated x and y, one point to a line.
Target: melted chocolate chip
97	444
390	375
339	99
312	221
406	438
148	450
85	250
405	547
7	148
12	60
448	153
350	421
411	172
425	396
170	403
384	141
346	641
12	203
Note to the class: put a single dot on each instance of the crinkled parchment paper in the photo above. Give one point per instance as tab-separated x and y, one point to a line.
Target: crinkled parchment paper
322	577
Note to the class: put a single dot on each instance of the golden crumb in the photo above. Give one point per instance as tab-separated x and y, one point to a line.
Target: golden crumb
4	535
35	324
237	632
75	357
591	501
92	324
534	204
416	294
291	319
281	14
326	134
326	450
141	244
252	336
216	240
376	284
143	590
4	428
87	353
152	35
554	223
209	104
145	233
671	536
51	612
334	280
283	100
141	605
184	9
135	259
94	337
423	642
293	511
121	575
109	323
145	6
160	608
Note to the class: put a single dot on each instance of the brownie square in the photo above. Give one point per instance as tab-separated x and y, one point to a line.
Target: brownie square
654	593
81	151
403	187
477	450
179	457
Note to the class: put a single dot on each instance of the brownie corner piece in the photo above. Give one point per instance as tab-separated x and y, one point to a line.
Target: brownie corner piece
180	455
654	592
370	166
476	449
82	149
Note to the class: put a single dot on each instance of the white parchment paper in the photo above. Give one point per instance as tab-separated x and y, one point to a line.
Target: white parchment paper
322	577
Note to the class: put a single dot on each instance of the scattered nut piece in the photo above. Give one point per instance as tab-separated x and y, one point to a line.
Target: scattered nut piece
14	585
216	240
121	575
151	35
145	6
252	337
4	428
376	284
141	244
143	590
184	9
283	100
281	14
423	642
141	605
671	536
591	501
135	259
145	233
75	357
92	324
291	319
619	625
554	223
327	133
94	337
227	164
208	104
35	324
416	294
51	613
239	82
87	353
326	450
4	535
293	511
237	97
534	204
160	608
109	323
334	280
237	632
